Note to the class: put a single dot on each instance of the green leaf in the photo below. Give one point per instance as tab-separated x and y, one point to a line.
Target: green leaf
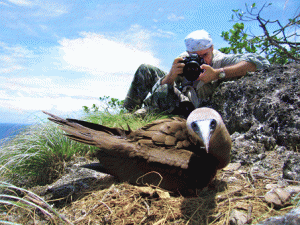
86	109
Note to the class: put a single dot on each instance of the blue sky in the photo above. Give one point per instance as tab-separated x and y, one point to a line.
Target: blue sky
59	55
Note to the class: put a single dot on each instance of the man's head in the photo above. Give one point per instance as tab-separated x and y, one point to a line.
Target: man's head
200	42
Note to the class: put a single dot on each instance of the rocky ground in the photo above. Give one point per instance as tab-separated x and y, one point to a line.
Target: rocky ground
262	113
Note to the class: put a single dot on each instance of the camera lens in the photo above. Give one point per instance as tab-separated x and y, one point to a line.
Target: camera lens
192	67
192	70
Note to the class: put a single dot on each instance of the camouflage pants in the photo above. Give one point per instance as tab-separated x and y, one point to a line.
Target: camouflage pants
161	98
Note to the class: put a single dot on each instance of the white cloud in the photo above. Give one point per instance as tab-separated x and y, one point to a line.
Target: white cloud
44	93
98	54
165	34
75	73
173	17
37	100
21	2
63	104
13	58
42	8
50	8
2	3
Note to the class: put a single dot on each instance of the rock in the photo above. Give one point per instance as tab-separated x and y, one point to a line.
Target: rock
291	218
278	197
293	190
262	112
271	186
238	217
232	167
291	167
73	183
264	106
245	151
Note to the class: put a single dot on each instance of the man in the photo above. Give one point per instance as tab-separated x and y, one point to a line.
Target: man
173	93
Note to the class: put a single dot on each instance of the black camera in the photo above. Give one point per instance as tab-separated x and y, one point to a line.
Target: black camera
192	70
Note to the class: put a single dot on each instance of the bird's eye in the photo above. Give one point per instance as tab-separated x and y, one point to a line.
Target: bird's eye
194	126
213	124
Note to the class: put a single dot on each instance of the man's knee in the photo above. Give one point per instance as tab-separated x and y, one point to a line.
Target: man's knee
143	67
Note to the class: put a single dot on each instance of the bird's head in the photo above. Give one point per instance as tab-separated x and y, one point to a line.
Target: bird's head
206	126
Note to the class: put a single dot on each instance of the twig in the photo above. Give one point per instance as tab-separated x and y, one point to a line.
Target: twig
148	208
231	193
141	177
148	212
107	193
240	198
250	208
271	178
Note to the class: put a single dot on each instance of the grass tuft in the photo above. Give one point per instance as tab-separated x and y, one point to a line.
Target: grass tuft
37	155
122	119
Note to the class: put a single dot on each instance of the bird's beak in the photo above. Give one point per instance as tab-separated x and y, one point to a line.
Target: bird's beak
203	130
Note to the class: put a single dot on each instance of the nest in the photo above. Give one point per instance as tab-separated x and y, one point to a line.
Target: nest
237	195
127	204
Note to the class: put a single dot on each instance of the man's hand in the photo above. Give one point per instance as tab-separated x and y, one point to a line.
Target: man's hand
177	68
237	70
209	74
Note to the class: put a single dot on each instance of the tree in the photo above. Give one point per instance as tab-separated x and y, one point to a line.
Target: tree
280	46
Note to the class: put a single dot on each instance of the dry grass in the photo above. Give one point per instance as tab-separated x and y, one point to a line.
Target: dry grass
128	204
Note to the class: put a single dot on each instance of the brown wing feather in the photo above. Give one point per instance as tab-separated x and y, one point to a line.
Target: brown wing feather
105	138
171	133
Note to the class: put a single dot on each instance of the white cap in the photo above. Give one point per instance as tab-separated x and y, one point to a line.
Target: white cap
197	41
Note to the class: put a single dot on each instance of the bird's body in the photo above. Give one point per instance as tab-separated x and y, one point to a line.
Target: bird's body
175	154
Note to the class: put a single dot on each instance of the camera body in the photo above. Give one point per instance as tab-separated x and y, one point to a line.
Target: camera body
192	70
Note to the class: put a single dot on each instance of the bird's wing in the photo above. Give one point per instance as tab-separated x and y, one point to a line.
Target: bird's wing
113	141
169	133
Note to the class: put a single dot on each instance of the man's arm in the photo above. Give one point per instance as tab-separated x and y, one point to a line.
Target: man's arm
177	68
237	70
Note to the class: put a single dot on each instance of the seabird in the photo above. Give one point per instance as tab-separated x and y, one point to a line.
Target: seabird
175	154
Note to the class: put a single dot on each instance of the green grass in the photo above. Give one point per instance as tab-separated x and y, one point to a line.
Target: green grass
37	155
122	120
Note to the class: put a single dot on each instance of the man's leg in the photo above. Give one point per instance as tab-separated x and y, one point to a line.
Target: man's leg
162	99
144	79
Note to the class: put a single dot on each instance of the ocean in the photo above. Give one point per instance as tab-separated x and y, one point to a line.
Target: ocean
10	129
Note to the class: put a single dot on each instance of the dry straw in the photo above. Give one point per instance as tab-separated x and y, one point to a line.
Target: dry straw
128	204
